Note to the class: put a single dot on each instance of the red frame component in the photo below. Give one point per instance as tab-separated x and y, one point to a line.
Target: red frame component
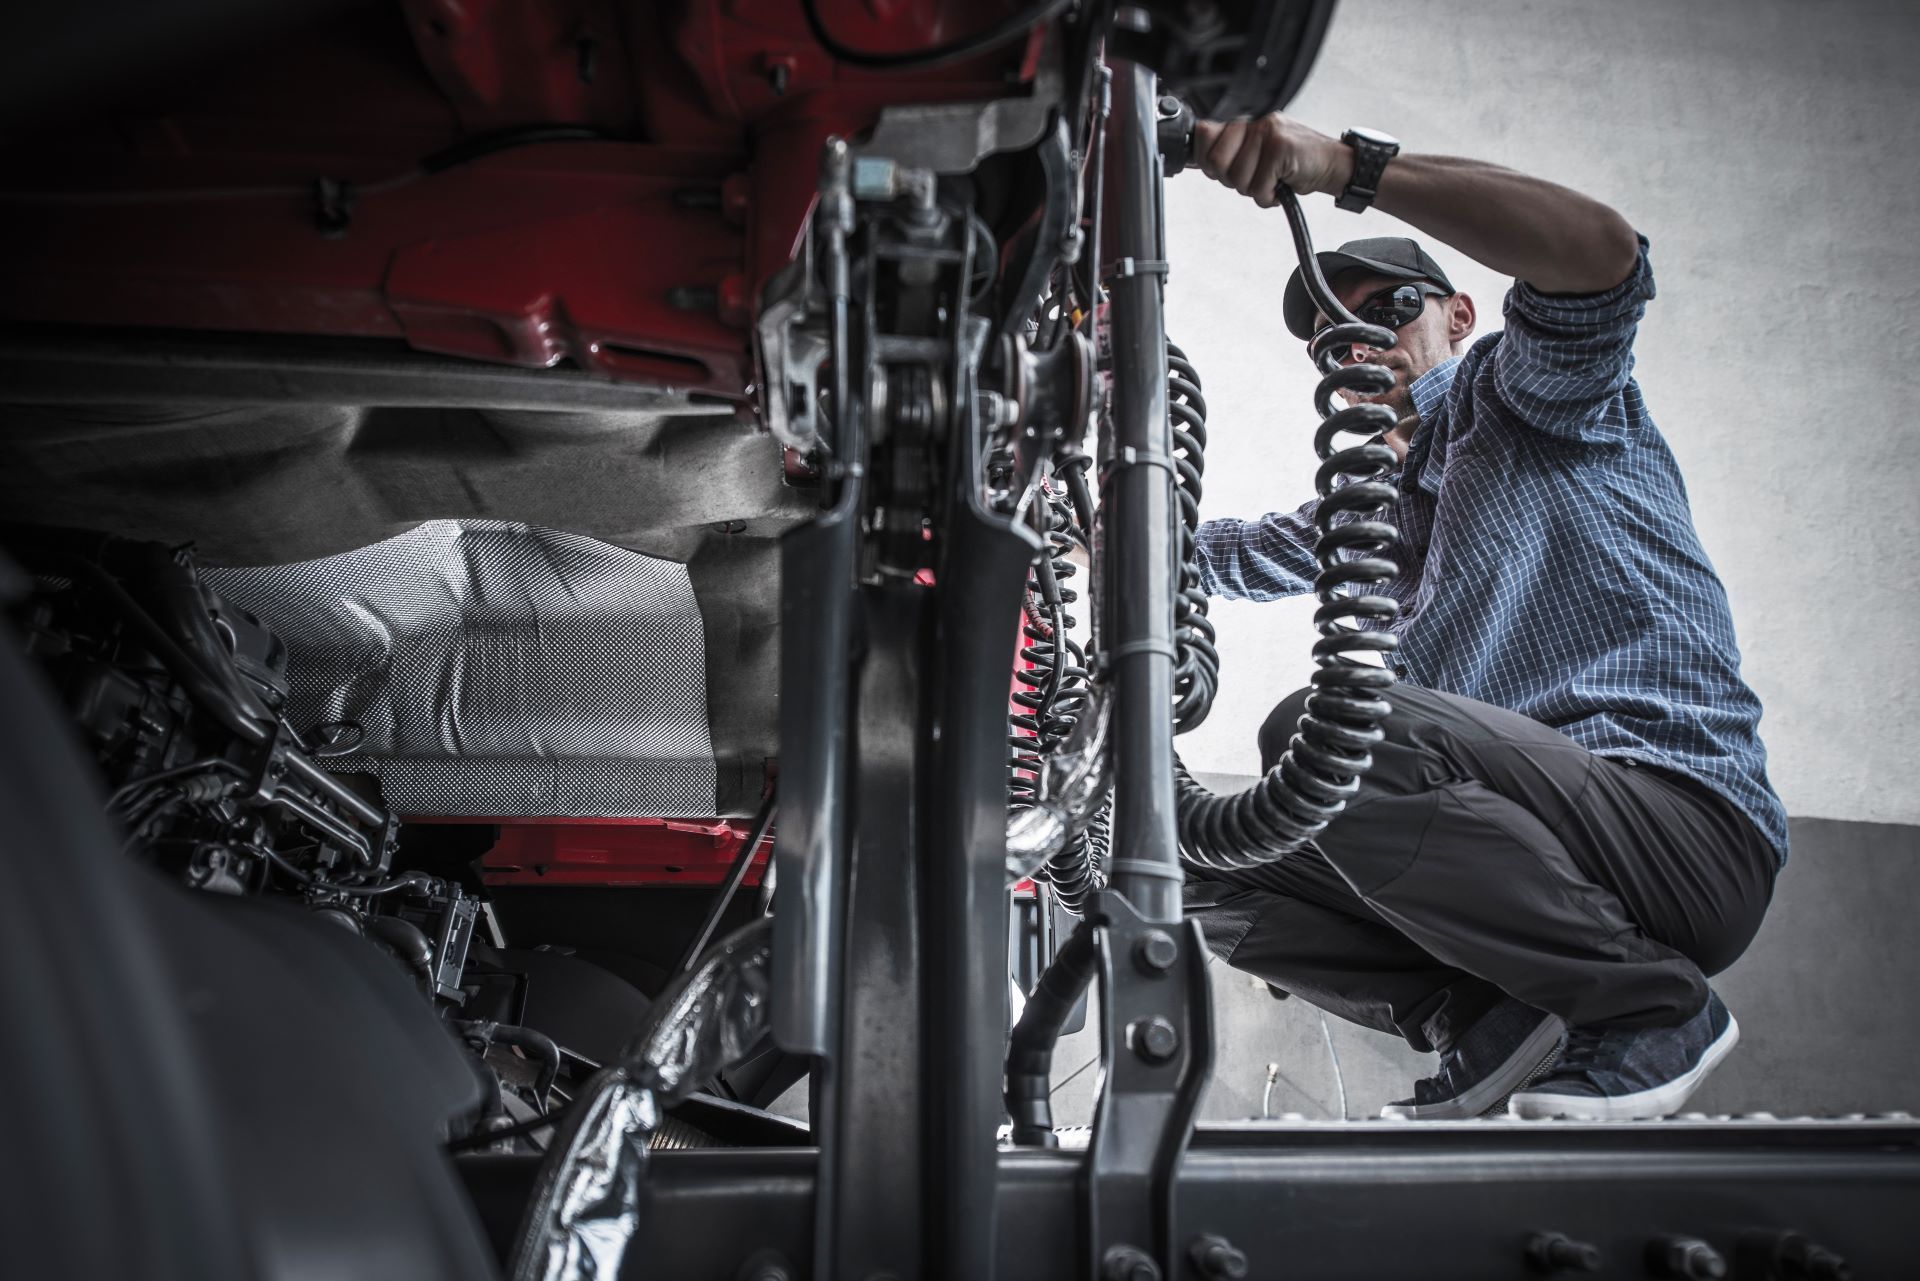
625	852
200	206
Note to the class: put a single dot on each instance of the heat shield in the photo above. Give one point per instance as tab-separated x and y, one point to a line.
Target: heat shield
498	669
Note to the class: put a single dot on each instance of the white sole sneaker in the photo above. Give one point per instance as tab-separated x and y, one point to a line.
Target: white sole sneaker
1644	1105
1527	1064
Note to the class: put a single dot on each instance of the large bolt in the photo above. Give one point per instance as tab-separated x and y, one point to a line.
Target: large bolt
1128	1263
1557	1252
1685	1259
1156	952
1798	1259
1154	1039
1216	1258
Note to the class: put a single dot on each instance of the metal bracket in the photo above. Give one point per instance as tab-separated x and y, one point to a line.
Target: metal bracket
1125	268
1156	1054
951	138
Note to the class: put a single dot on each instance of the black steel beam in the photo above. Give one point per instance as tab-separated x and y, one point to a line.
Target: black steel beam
881	1096
1360	1202
1136	459
981	575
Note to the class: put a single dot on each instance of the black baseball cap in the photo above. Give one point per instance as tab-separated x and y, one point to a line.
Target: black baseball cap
1395	256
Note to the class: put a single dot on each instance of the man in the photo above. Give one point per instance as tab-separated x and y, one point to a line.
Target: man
1569	825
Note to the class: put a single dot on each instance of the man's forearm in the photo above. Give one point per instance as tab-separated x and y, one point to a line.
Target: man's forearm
1555	239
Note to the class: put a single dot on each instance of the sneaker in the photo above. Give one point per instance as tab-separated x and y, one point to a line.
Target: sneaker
1508	1047
1631	1074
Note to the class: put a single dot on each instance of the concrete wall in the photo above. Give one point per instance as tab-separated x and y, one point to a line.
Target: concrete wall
1766	148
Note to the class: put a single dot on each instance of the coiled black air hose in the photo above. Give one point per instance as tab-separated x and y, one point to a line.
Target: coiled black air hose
1057	679
1053	677
1332	748
1081	868
1196	674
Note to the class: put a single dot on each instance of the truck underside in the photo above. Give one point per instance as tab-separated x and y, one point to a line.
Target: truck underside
519	520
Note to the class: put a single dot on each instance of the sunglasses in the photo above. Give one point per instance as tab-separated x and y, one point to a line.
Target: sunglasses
1394	306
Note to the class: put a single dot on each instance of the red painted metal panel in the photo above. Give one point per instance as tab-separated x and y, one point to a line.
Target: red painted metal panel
618	852
639	258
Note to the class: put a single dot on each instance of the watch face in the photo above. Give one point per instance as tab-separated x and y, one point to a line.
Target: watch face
1374	136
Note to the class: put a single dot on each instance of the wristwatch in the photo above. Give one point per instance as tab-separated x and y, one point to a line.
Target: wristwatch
1371	151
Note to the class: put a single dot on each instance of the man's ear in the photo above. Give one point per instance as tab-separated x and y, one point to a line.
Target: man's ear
1460	317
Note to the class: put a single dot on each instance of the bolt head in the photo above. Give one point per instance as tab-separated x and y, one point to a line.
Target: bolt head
1218	1259
1155	1039
1128	1263
1156	952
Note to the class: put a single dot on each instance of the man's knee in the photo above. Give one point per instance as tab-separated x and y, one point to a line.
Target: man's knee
1278	731
1413	709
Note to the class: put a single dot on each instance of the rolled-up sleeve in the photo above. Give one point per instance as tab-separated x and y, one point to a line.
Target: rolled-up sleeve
1263	559
1565	362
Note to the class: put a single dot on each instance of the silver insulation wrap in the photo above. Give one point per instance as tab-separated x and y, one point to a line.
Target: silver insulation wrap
587	1205
499	669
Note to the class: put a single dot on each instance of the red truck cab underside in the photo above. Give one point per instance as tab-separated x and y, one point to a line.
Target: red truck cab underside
528	182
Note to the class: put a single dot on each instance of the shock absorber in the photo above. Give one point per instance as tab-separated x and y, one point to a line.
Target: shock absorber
1333	744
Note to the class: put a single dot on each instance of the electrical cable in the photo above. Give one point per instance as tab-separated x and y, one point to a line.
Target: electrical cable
978	229
487	1138
273	856
167	775
1332	747
1339	1077
1009	28
420	879
736	875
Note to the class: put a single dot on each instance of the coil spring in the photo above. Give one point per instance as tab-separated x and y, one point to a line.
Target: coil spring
1333	745
1196	675
1053	676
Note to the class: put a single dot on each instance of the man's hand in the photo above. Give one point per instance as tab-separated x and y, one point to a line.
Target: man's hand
1254	156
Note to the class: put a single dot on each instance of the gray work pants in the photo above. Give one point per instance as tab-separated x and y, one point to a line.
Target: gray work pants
1487	853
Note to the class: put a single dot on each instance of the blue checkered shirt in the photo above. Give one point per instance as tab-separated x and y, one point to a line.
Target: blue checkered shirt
1549	563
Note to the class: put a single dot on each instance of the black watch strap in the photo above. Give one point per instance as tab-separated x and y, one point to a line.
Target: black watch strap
1371	151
